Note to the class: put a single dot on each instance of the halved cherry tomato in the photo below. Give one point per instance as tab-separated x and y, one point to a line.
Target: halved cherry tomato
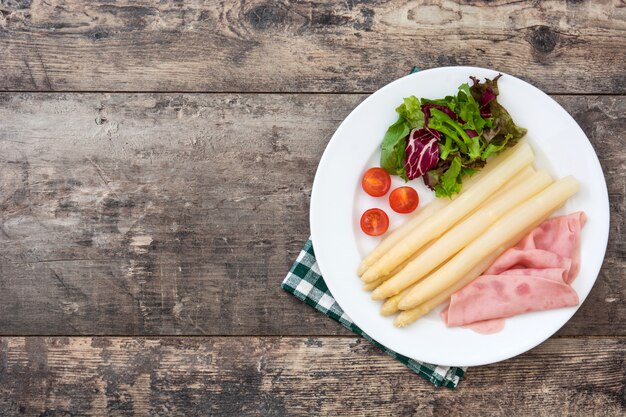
403	200
374	222
376	182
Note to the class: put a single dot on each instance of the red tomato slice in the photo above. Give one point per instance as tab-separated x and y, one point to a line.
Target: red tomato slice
376	182
403	200
374	222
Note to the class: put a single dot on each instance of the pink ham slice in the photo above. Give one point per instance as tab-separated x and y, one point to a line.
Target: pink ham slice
536	259
560	235
506	295
532	276
553	274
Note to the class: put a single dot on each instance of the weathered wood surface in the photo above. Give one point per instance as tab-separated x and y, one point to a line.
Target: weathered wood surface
139	214
267	45
252	376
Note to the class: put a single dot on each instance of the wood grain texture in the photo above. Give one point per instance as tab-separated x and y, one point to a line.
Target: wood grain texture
253	376
316	45
126	214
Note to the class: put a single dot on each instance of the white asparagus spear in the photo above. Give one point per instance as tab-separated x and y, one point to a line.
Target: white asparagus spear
369	286
390	306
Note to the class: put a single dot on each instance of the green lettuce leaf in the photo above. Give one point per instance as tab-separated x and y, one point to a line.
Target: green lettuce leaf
495	146
469	110
394	147
411	111
446	147
447	101
450	182
450	128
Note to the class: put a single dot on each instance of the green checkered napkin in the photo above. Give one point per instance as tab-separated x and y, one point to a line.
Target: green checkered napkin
305	281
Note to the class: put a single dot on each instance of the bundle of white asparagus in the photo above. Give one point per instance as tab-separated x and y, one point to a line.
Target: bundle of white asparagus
450	242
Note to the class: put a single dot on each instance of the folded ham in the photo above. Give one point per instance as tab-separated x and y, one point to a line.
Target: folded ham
535	259
560	236
534	275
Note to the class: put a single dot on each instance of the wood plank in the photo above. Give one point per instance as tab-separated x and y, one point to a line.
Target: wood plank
127	214
317	45
296	376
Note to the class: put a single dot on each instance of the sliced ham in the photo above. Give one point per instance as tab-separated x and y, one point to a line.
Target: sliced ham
554	274
560	235
506	295
482	327
534	275
528	258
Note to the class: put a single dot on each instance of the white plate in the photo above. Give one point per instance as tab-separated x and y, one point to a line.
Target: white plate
338	201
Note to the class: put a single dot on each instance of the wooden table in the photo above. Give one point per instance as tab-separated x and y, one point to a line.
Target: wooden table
156	162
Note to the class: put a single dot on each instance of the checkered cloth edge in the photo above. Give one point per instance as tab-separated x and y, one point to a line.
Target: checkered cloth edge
305	281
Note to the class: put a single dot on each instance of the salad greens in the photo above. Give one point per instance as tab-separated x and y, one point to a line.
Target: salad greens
445	140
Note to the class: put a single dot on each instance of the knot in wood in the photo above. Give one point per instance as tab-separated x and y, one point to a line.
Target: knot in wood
264	16
543	39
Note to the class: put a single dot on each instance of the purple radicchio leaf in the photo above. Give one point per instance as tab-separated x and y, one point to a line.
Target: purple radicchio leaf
447	110
487	97
471	133
422	152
